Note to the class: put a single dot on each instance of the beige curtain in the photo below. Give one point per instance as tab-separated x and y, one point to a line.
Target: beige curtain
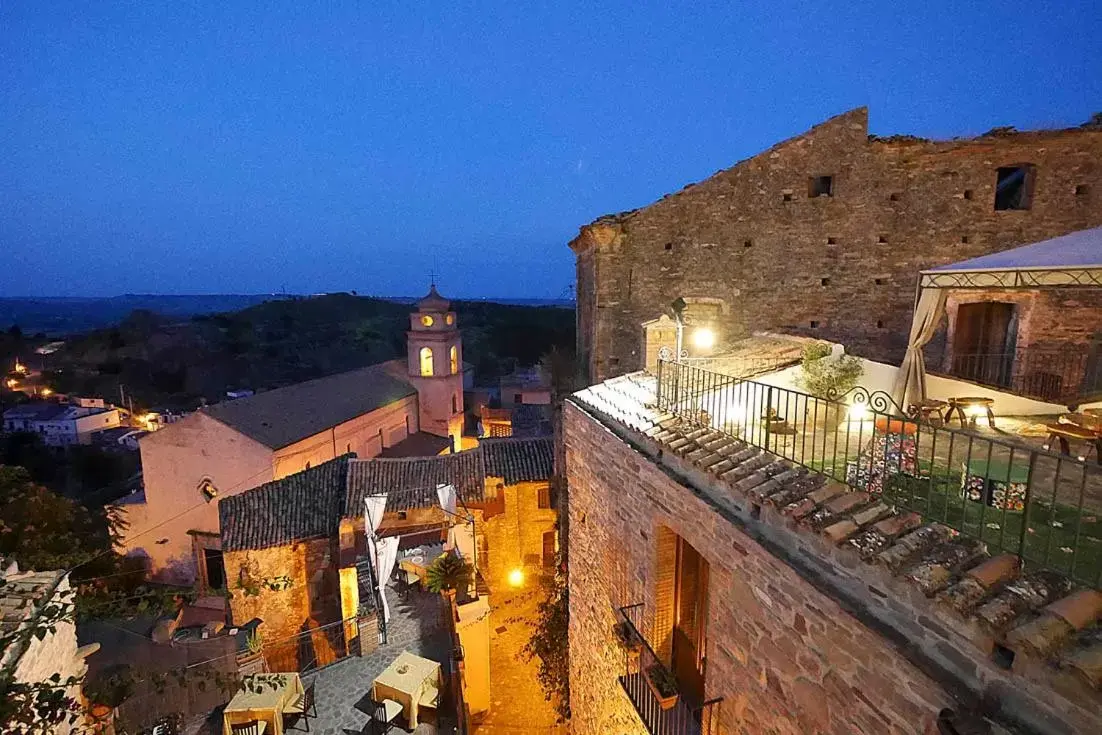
910	382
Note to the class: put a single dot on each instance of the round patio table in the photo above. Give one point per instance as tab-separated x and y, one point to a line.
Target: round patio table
963	403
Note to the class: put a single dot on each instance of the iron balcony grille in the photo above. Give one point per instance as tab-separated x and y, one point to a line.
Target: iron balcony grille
1060	376
1041	506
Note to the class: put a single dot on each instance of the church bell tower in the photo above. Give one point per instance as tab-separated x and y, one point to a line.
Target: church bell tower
435	366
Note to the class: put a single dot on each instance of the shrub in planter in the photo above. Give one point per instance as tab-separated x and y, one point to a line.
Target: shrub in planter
827	377
663	684
629	642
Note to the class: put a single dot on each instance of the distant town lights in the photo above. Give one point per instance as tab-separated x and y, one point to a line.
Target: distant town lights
704	338
516	578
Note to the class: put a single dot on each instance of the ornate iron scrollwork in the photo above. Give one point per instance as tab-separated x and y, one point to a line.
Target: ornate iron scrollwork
876	401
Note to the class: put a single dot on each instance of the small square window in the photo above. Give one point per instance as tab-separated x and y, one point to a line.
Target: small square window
879	324
878	281
1014	187
787	196
747	243
832	241
968	194
820	186
893	197
814	324
824	281
882	239
668	246
1081	190
965	239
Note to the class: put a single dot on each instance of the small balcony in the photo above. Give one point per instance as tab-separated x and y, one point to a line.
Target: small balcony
1065	375
683	717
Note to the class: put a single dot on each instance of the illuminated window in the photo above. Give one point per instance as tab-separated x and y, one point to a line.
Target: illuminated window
426	320
426	361
453	359
450	319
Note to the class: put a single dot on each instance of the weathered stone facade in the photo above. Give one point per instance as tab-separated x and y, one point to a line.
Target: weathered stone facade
841	266
802	635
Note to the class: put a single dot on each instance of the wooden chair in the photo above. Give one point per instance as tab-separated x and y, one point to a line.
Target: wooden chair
303	708
429	702
383	717
256	727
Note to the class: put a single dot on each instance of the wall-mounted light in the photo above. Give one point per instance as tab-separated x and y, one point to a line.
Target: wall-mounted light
704	338
516	578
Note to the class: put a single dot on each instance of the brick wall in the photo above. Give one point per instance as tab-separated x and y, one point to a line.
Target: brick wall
514	538
784	657
752	236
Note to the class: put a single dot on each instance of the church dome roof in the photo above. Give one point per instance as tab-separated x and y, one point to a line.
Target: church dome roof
433	301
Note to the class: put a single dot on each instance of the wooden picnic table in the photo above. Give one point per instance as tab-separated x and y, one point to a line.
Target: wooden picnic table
273	693
1062	431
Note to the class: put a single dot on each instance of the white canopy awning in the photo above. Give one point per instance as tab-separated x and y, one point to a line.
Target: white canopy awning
1070	260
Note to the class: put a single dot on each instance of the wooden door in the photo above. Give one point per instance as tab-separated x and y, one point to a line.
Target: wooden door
690	622
983	342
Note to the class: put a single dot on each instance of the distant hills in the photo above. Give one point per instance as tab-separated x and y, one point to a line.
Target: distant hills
55	316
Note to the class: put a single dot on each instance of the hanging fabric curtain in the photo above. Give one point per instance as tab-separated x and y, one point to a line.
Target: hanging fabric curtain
383	553
374	507
461	538
446	494
910	381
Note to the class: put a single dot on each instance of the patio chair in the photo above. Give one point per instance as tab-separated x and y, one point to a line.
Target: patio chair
303	708
256	727
383	717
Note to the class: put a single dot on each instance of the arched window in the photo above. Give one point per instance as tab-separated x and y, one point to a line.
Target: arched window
426	361
453	359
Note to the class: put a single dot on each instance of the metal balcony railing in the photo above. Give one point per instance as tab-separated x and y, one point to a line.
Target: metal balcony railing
683	718
1056	375
1042	506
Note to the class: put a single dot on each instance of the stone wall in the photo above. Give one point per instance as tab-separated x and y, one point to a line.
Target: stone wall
784	657
842	267
312	600
514	538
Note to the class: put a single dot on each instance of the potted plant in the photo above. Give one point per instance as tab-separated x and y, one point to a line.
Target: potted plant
662	682
448	574
827	377
251	660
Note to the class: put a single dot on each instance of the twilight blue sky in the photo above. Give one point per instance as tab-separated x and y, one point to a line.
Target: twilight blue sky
186	147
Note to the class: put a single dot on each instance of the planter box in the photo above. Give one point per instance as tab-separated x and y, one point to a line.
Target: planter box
368	633
664	702
251	663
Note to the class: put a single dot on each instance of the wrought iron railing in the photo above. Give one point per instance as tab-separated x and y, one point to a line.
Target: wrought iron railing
1015	498
1057	375
640	662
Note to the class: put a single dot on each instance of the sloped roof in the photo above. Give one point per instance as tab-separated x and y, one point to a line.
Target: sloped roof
411	482
21	600
305	505
281	417
519	460
418	444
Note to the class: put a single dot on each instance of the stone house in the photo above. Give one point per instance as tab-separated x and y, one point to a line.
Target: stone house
293	547
396	408
23	596
784	602
823	235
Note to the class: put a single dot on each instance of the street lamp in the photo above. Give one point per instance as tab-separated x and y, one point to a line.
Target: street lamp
677	309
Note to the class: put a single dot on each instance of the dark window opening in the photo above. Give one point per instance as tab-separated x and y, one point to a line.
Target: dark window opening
893	197
1003	657
669	246
787	196
882	239
1081	190
820	186
455	404
832	241
216	569
814	324
518	398
548	549
879	324
1013	187
968	194
824	281
878	281
307	465
965	239
747	243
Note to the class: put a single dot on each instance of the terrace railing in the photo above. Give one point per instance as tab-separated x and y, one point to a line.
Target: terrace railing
1015	498
1056	375
683	718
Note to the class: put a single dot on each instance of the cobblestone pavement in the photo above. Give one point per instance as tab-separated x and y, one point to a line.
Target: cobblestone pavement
517	705
344	688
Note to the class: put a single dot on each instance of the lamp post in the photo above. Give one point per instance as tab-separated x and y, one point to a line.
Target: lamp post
677	308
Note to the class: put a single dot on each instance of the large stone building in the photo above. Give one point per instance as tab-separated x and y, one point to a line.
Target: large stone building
408	407
824	234
787	603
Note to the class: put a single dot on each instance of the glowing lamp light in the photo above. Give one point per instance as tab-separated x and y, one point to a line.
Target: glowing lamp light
46	392
974	410
857	412
516	578
704	338
12	383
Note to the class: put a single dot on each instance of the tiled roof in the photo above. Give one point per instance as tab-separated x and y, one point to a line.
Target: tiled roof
519	460
305	505
21	596
411	482
1036	615
278	418
418	444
